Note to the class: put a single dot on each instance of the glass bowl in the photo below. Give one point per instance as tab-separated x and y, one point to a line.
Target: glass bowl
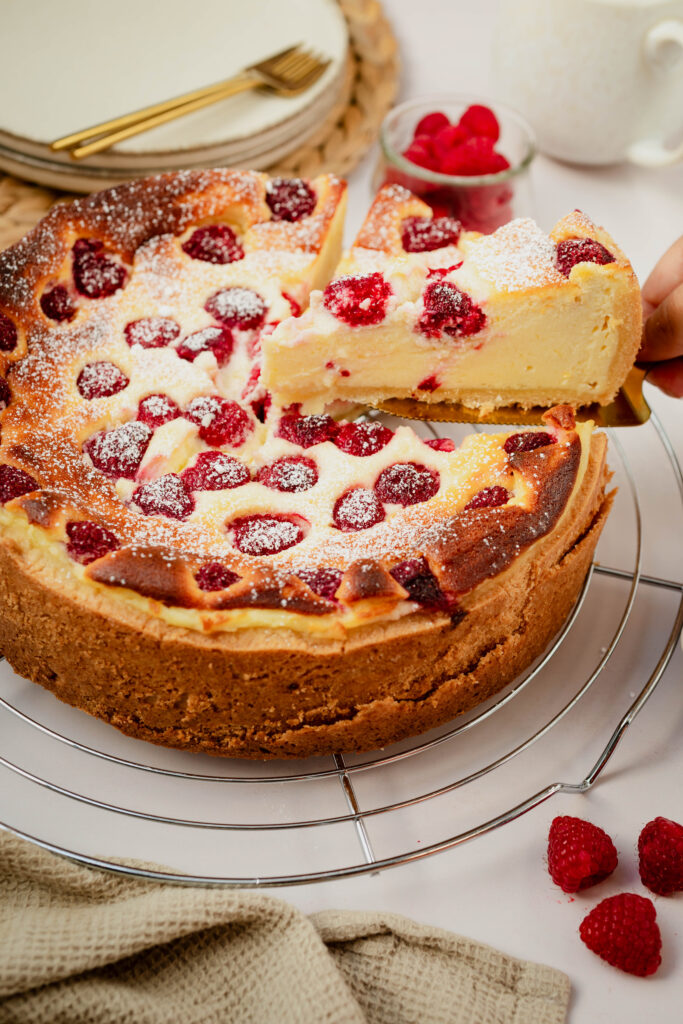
482	202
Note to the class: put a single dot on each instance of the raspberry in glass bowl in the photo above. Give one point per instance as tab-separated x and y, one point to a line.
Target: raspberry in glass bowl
468	159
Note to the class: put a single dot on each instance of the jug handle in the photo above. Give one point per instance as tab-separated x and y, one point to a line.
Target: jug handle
663	49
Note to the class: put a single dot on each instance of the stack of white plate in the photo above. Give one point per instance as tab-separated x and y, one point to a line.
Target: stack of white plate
70	65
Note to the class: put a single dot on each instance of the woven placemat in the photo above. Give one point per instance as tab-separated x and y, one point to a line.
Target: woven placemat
337	145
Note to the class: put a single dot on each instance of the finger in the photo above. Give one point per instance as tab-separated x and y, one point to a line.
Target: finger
663	330
668	377
667	275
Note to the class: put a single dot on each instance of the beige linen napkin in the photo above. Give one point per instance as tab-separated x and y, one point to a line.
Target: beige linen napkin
79	946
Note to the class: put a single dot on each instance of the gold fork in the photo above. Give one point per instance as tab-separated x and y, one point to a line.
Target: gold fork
287	74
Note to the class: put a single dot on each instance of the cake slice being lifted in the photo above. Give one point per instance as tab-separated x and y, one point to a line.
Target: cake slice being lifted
422	309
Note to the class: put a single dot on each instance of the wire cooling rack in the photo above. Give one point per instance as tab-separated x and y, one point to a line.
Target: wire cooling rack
76	787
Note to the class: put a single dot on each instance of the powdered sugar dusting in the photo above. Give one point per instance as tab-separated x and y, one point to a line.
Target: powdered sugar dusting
515	257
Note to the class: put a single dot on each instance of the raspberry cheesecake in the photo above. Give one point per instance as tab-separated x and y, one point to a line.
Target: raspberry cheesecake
205	569
422	309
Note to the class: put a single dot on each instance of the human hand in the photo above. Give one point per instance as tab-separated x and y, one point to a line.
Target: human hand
662	345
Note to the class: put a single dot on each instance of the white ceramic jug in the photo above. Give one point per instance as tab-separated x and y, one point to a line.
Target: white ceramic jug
599	80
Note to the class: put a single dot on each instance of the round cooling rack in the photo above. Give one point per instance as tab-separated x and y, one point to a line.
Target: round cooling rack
74	786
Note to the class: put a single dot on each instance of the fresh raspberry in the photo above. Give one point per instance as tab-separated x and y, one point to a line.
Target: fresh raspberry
100	380
8	334
429	384
238	307
5	394
473	157
424	234
211	339
155	410
406	483
323	582
357	509
14	483
430	124
306	430
165	496
57	304
214	576
291	473
220	420
447	310
119	452
480	120
89	541
489	497
448	138
421	153
528	441
581	250
623	931
96	274
441	444
363	439
416	577
660	853
215	471
290	198
152	331
260	534
216	243
579	853
360	300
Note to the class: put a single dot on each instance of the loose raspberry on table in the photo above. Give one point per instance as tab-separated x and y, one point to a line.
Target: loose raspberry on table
306	430
100	380
480	120
5	394
431	123
155	410
406	483
291	473
8	334
152	331
262	534
220	420
290	198
580	854
623	931
359	300
89	541
210	339
424	234
417	578
528	441
215	471
357	509
216	243
57	303
323	582
238	307
214	576
120	451
96	274
581	250
165	496
362	439
447	310
660	856
14	483
489	497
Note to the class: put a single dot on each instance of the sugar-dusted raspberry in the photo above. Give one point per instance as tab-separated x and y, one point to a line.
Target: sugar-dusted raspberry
306	430
579	853
96	274
238	307
422	585
363	439
447	310
100	380
57	304
480	120
152	331
261	534
165	496
623	931
291	473
357	509
431	123
215	471
660	856
441	444
406	483
429	384
216	243
5	394
89	541
581	250
290	198
424	234
8	334
215	576
489	497
528	441
323	582
155	410
220	420
119	452
210	339
14	483
360	300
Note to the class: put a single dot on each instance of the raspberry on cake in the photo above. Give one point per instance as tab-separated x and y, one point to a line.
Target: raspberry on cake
421	309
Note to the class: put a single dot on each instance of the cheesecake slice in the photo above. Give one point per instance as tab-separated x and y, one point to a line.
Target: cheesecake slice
422	309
